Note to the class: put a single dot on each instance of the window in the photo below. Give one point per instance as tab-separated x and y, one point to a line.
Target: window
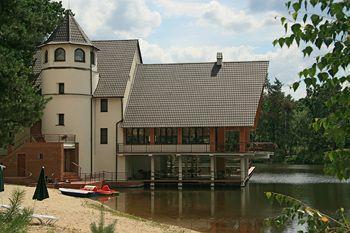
79	55
166	136
137	136
195	136
92	58
60	119
61	88
46	57
60	54
41	156
104	136
104	105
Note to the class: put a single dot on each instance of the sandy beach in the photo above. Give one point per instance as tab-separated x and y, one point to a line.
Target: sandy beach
76	214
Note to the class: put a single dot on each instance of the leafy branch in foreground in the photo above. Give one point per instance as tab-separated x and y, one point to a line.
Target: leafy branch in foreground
15	219
321	29
101	228
305	214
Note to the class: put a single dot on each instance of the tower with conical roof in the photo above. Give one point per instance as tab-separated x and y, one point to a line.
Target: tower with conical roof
69	76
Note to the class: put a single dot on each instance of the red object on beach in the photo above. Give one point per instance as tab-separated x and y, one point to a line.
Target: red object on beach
105	190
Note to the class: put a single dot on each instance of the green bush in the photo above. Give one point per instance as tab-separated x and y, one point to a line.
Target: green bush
101	228
15	219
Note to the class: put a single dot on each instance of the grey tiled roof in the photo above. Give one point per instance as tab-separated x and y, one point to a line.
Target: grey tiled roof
68	31
195	95
114	60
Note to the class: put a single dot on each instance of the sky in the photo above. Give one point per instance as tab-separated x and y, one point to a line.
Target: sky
195	30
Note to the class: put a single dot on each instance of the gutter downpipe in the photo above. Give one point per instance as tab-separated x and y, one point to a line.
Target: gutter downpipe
116	138
91	120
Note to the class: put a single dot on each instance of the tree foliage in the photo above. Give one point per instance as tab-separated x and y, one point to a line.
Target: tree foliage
101	227
305	214
23	26
15	219
275	120
321	29
322	25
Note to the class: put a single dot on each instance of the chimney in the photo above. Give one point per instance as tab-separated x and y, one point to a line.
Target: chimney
219	59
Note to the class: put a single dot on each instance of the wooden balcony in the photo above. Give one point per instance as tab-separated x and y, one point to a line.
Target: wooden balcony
162	148
192	148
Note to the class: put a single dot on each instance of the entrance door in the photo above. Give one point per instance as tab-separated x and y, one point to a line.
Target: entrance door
21	165
70	160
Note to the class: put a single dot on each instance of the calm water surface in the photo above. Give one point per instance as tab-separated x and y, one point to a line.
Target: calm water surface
237	209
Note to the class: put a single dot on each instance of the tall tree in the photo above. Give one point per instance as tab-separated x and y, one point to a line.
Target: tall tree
275	120
321	28
23	26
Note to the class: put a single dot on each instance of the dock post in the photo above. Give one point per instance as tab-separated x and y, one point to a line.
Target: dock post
212	171
244	170
179	184
152	171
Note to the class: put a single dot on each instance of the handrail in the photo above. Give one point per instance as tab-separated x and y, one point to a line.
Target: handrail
79	168
56	137
30	174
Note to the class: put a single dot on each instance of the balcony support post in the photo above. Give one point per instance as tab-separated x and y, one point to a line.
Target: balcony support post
152	172
212	171
179	184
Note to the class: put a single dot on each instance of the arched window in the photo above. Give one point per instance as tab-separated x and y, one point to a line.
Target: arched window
79	55
60	54
46	57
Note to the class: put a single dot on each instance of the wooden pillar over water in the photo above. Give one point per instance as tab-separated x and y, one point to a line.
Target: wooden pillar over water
152	171
212	171
244	170
179	184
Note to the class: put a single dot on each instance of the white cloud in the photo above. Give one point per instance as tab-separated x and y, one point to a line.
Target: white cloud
215	14
153	53
92	14
172	8
121	19
133	19
233	20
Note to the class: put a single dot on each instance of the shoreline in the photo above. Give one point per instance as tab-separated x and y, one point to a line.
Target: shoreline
76	214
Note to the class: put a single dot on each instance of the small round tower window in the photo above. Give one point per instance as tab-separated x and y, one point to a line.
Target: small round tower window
79	55
60	54
46	57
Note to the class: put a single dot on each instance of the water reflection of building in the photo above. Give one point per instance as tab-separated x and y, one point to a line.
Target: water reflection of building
202	211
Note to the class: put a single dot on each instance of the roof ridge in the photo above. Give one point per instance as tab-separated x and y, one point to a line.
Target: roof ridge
115	40
189	63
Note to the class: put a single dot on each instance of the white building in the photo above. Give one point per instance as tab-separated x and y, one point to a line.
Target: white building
110	112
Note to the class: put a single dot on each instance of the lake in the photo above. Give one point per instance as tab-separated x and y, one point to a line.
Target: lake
237	209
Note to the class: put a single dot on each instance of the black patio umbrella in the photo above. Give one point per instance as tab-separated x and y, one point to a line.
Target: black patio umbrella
1	179
41	192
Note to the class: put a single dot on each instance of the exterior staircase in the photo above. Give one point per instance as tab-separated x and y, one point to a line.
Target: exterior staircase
71	176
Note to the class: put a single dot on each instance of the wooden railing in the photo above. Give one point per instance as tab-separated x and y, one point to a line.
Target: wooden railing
195	148
164	148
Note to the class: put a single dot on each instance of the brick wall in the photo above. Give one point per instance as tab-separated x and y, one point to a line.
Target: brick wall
49	155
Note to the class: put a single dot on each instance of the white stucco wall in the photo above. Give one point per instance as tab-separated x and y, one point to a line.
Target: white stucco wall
75	103
105	154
